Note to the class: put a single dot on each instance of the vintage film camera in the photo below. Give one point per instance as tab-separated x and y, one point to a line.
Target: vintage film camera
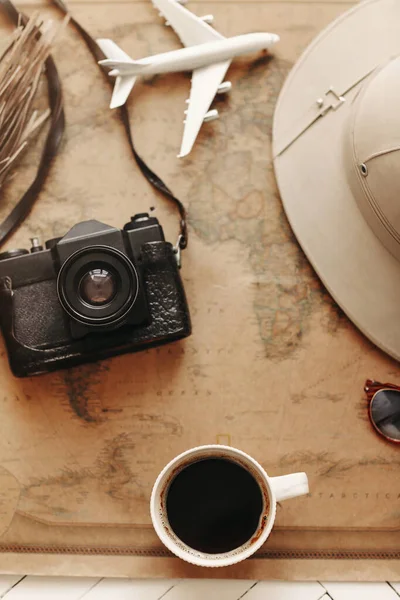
94	293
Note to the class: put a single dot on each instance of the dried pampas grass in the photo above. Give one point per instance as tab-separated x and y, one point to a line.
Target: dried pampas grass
21	66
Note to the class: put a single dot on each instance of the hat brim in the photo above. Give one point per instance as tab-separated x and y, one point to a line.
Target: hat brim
357	270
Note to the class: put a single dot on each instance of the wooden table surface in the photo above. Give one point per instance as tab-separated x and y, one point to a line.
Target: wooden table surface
61	588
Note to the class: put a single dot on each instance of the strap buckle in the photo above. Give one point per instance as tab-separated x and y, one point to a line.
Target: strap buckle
178	251
330	100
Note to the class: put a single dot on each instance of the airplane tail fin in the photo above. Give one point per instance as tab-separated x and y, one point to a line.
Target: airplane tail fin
124	68
122	88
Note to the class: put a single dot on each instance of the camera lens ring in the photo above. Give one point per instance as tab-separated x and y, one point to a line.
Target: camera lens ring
83	261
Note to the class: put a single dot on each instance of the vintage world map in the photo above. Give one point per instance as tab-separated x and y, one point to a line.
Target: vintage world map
273	366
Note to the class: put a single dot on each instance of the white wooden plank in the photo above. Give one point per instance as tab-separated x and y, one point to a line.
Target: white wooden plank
209	590
51	588
362	591
396	586
129	589
284	590
7	582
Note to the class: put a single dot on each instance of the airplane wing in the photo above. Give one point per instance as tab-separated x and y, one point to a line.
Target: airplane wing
205	82
190	29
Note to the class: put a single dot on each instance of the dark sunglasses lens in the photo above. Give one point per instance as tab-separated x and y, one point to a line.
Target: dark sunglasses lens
385	413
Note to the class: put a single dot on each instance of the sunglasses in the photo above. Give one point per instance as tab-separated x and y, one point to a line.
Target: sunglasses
384	408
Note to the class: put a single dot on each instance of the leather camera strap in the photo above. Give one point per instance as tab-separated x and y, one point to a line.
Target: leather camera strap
54	135
156	181
56	129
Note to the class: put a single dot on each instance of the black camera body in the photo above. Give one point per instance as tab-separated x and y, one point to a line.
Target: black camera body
94	293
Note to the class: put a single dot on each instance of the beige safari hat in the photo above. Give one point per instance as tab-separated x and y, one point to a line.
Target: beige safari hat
336	145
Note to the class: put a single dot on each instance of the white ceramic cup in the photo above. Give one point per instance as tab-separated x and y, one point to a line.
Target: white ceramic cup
274	489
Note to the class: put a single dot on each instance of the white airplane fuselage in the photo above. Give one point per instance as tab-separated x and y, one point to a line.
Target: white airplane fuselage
194	57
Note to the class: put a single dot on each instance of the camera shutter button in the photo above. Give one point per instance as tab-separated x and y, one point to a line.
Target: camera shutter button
136	220
36	245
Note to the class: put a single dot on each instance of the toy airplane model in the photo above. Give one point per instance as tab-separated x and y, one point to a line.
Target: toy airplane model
207	53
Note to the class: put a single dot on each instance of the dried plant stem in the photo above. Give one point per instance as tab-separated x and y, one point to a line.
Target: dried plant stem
21	65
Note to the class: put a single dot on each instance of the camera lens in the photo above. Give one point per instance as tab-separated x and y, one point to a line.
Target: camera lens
98	287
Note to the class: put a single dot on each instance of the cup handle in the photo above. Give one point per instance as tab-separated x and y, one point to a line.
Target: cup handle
289	486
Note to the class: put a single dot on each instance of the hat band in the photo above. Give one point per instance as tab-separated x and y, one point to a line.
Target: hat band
330	100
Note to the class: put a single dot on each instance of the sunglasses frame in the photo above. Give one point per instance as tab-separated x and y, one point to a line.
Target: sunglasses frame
372	388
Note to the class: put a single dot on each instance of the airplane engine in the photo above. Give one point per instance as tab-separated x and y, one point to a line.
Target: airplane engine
209	19
224	87
211	115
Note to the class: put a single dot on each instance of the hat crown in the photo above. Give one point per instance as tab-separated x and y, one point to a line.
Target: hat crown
375	150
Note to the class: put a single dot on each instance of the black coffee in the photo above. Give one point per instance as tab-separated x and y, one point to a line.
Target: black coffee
214	505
